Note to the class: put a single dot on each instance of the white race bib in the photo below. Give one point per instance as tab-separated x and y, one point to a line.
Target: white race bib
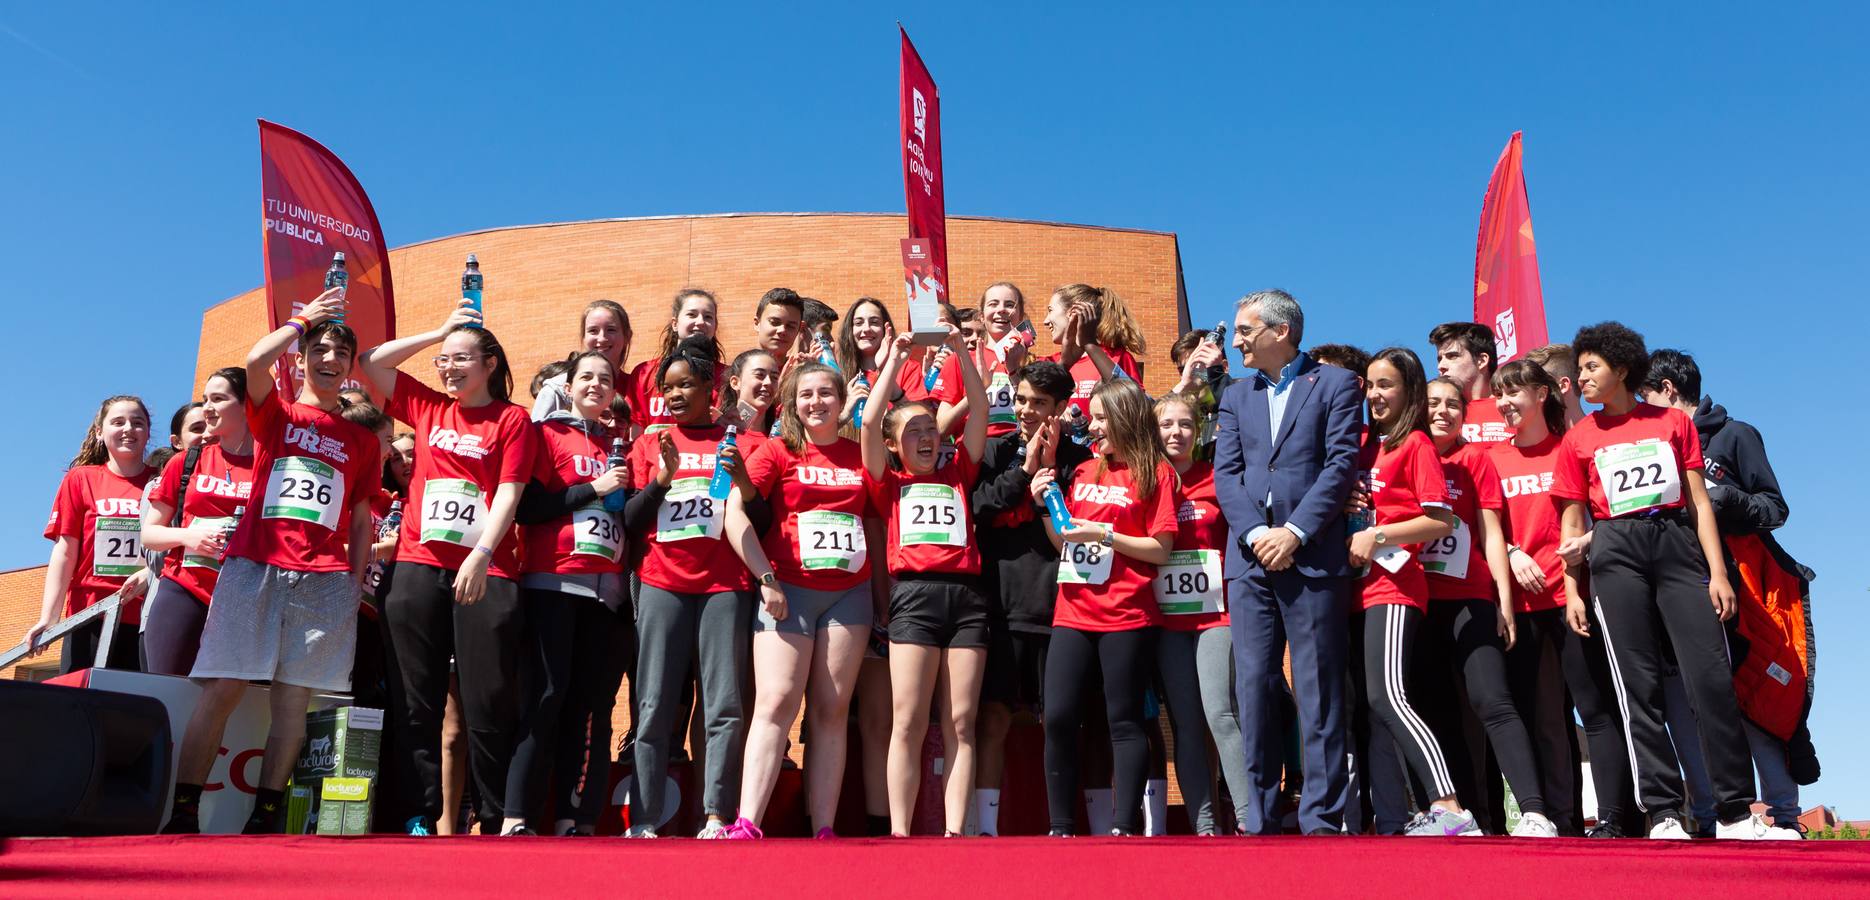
689	512
1449	555
192	561
1084	563
117	546
931	514
596	532
831	540
1190	583
303	488
1638	476
454	511
1000	400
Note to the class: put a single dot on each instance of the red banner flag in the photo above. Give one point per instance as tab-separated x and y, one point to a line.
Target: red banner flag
312	207
921	139
1506	264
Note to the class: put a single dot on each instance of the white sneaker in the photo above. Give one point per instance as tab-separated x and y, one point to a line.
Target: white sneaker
715	830
1534	825
641	831
1669	829
1755	828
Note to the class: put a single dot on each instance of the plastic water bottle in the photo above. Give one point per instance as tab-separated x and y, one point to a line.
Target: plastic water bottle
1055	507
723	482
392	522
1219	337
471	282
935	363
826	355
613	501
857	412
228	529
338	277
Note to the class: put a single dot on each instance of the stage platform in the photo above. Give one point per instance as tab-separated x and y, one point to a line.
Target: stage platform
952	869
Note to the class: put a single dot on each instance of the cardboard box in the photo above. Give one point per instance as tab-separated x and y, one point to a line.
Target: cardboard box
333	784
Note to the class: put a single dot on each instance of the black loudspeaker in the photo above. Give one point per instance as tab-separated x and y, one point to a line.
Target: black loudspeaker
77	762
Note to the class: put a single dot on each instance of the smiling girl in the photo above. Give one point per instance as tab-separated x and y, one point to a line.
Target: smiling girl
95	531
692	315
603	328
454	592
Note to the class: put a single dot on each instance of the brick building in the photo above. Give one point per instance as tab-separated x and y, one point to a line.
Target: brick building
540	277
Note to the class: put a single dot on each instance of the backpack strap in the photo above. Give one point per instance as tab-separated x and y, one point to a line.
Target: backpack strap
181	490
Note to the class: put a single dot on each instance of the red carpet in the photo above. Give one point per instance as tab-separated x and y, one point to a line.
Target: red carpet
962	869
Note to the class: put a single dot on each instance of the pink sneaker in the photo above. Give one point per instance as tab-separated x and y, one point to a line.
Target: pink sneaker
825	834
743	829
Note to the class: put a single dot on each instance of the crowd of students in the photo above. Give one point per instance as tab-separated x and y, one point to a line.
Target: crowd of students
703	526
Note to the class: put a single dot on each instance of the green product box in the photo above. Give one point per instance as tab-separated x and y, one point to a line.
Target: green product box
342	745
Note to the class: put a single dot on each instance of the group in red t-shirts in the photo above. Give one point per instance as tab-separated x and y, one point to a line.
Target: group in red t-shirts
707	528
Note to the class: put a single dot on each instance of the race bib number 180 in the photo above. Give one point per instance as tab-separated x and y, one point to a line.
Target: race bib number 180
1190	583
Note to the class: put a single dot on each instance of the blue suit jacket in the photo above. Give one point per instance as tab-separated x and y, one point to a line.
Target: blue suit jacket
1308	469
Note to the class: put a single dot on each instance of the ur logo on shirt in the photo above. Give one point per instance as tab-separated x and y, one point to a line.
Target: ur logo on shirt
310	441
829	477
119	506
1108	495
1485	433
207	483
459	444
589	466
1516	485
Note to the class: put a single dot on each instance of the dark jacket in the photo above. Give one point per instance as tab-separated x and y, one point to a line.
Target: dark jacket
1018	562
1741	483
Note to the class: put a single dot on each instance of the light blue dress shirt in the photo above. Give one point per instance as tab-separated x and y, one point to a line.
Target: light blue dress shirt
1277	393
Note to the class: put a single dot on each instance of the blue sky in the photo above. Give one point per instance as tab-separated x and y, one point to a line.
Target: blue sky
1696	172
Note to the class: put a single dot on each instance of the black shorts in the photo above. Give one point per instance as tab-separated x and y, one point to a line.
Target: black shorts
1015	674
938	612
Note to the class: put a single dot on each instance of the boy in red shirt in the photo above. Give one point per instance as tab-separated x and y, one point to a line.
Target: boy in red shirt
285	604
1465	354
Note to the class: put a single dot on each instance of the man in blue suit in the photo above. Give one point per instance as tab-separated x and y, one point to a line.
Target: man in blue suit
1285	460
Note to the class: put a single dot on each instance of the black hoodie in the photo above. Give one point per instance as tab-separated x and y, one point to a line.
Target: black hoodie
1741	483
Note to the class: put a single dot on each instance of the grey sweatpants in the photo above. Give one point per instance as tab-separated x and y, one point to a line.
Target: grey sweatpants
1197	672
673	631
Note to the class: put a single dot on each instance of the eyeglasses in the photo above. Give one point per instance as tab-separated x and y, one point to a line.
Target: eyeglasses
459	360
1249	334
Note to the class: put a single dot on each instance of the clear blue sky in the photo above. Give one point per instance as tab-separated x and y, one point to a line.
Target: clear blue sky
1697	173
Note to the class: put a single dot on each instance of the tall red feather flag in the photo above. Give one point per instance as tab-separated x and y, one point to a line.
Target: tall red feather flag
312	207
1506	263
921	142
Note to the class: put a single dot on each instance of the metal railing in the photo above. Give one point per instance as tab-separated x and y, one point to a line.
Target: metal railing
109	608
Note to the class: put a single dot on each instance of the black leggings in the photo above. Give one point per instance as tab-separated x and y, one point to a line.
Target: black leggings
426	626
1126	660
571	667
1544	637
172	621
1462	641
1386	638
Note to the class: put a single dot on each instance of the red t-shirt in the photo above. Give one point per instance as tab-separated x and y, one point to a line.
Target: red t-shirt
1481	424
1532	517
686	550
1193	578
1084	375
1098	588
1473	485
931	525
647	407
1645	453
588	541
463	455
221	489
310	468
819	506
104	511
1403	481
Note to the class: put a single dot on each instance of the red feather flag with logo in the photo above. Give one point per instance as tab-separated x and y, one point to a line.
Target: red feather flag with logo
921	141
1506	263
312	208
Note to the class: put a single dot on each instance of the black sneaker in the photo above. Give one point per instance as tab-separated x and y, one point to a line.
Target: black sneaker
262	822
183	823
519	831
1604	830
1059	833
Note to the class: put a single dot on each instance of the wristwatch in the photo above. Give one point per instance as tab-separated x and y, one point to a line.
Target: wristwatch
768	579
1381	538
1109	535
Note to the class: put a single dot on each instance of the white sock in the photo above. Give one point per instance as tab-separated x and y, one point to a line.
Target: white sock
1097	810
1156	807
987	809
